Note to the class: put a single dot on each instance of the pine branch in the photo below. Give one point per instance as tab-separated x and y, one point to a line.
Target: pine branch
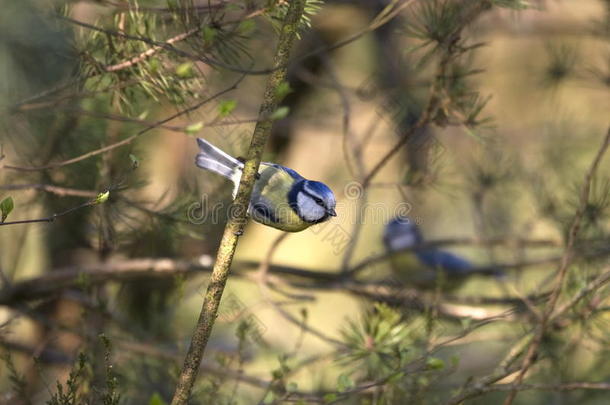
567	259
127	140
449	51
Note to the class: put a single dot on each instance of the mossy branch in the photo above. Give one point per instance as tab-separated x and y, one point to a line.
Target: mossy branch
237	219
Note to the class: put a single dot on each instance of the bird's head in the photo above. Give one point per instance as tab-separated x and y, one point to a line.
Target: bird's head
313	201
401	233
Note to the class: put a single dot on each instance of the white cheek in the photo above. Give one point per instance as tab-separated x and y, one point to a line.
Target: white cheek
402	241
308	209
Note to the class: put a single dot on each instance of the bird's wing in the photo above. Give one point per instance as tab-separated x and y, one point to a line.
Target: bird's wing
446	261
274	182
269	203
292	173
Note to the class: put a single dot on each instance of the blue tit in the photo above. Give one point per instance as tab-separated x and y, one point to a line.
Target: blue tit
281	197
421	267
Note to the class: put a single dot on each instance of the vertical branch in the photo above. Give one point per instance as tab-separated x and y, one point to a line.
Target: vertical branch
238	210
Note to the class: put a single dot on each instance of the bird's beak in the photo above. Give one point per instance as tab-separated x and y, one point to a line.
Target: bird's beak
332	212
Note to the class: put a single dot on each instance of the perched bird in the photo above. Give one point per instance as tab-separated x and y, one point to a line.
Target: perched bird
281	198
424	267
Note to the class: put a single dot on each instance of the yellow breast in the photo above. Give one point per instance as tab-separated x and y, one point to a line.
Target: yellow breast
410	271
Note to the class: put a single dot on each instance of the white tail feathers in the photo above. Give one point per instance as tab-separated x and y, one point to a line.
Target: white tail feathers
215	160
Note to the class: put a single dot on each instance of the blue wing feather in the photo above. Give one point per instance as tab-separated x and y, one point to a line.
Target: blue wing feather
288	170
445	261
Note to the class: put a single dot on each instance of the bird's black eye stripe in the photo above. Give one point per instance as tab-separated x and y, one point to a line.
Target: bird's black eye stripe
316	199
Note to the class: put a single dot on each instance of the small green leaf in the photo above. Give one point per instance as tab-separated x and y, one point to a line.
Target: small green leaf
280	113
194	128
156	399
185	69
209	33
277	374
226	107
513	4
292	386
269	398
330	397
154	65
6	206
435	363
344	383
396	377
135	162
246	27
83	281
282	90
102	197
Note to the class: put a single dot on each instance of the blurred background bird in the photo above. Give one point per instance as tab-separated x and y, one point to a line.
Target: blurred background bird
425	267
281	197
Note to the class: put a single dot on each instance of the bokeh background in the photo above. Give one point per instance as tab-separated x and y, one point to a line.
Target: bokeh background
544	71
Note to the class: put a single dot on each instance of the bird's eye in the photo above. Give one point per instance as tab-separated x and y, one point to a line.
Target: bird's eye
318	200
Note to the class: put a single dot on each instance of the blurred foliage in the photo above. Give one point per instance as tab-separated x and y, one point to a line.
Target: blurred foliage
381	342
101	101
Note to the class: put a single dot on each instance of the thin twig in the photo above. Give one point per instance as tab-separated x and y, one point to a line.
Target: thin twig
127	140
263	284
449	52
52	189
53	217
594	285
167	45
566	261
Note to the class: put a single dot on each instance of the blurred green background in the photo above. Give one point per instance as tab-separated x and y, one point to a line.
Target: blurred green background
546	71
